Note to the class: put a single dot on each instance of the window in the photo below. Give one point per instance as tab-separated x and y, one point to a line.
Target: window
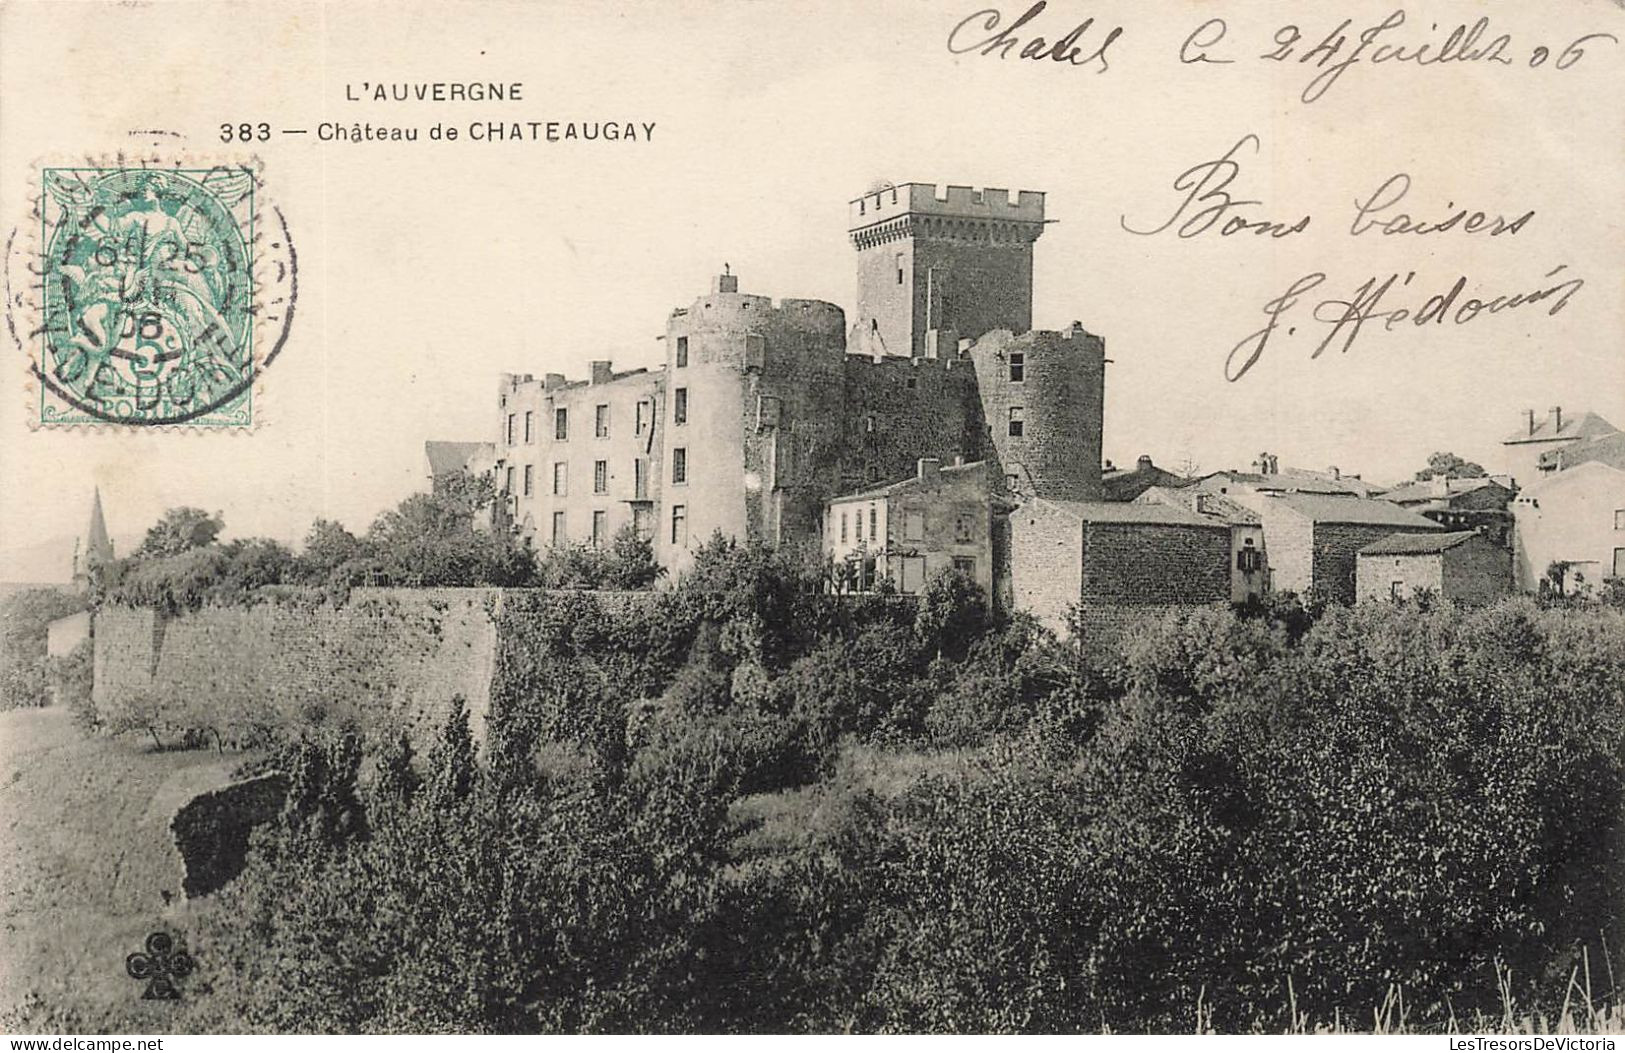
1018	367
899	268
643	522
859	527
966	565
640	480
913	575
1018	420
682	351
558	528
679	465
530	479
843	528
869	424
507	481
679	524
642	417
1396	590
1619	519
1012	482
1619	562
679	406
530	423
561	479
600	477
872	473
914	526
600	527
912	383
510	429
561	424
964	529
873	530
600	422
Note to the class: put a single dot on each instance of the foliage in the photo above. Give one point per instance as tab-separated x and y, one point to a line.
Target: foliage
25	619
180	530
627	564
1450	466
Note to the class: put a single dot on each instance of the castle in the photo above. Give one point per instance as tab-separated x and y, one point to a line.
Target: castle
763	411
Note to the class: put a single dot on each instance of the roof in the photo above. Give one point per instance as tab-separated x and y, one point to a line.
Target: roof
903	485
1417	544
448	457
1299	480
1362	511
1609	449
1581	426
1592	473
1127	484
1436	489
1213	506
1132	512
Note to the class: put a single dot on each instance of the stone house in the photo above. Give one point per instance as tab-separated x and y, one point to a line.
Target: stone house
1462	504
1313	539
1114	558
909	530
1127	484
1461	566
1249	565
1574	519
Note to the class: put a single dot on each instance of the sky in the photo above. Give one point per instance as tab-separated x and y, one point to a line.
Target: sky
426	269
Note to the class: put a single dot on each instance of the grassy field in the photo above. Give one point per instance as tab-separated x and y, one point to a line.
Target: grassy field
87	855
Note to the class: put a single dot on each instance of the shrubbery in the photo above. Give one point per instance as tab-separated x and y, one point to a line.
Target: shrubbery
25	619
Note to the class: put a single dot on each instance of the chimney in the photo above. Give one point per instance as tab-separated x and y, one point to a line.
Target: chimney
602	371
727	281
553	380
1144	463
1334	473
1529	416
1274	463
959	460
1555	415
929	467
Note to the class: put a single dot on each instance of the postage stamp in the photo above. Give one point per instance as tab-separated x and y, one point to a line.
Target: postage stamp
154	292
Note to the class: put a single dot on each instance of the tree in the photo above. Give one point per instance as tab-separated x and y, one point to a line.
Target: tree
433	539
180	530
1449	466
328	547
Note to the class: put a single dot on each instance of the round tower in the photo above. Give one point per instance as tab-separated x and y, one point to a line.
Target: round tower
1043	396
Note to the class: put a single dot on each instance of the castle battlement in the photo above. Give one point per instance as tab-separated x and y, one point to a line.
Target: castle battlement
959	202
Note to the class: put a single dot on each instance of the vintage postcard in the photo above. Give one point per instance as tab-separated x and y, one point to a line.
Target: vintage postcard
924	516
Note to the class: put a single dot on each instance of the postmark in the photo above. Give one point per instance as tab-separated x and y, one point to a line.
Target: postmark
155	294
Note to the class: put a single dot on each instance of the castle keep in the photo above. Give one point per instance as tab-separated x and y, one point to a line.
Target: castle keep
763	411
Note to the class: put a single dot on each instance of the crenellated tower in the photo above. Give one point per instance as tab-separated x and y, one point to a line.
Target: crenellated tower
953	260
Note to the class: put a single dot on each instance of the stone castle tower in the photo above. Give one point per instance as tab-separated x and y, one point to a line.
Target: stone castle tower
957	262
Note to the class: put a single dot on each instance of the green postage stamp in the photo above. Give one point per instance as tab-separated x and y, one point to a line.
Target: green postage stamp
153	296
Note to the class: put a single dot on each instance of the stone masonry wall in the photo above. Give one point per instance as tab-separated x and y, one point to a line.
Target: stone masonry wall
1335	548
1154	564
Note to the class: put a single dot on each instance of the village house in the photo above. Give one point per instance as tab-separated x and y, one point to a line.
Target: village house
1109	559
907	531
1571	524
1249	567
1119	484
1460	566
1462	504
1313	539
1525	449
1609	449
1268	477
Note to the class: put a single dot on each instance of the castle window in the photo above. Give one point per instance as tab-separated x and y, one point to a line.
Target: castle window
1018	367
682	351
507	484
1619	519
912	383
600	527
530	422
642	417
510	429
899	268
600	422
965	527
869	424
966	565
558	528
600	477
1018	420
530	479
1012	482
679	406
679	524
561	424
640	480
872	473
914	526
679	465
561	479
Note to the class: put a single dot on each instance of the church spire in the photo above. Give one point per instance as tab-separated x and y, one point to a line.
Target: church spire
98	547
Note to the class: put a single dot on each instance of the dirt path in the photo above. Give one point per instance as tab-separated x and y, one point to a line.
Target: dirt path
85	852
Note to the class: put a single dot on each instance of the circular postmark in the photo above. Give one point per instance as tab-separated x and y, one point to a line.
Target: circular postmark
157	294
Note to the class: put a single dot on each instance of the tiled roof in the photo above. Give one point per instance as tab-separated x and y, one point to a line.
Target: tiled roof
1581	426
1417	544
1132	512
1435	489
1216	507
1357	510
903	485
1609	449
